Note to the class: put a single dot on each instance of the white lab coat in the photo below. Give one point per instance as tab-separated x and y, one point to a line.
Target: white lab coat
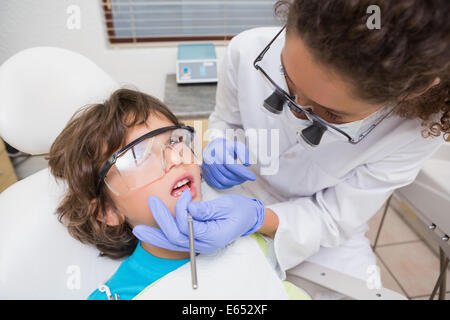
323	196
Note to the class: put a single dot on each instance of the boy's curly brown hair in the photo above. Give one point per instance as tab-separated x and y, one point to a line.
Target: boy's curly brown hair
92	135
402	58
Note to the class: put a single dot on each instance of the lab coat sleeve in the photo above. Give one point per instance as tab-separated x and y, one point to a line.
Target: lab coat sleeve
226	114
335	214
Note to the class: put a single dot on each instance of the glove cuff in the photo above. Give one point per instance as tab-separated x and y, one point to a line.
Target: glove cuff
261	214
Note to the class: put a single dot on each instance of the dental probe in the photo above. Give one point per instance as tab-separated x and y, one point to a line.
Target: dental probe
192	253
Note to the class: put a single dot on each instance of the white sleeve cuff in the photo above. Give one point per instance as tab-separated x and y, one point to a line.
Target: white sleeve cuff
298	234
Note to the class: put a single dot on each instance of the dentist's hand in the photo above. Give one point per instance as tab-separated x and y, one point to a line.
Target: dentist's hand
220	168
215	223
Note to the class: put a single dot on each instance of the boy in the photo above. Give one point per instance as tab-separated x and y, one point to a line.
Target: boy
103	213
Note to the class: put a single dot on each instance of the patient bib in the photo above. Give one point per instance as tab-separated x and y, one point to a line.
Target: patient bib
237	272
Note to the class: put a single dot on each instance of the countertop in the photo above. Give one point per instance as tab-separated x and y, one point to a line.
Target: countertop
189	101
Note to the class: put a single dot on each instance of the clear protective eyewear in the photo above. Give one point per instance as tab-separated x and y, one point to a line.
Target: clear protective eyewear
313	133
147	158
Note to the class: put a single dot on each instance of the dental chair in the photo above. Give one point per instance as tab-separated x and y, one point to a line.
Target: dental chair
40	89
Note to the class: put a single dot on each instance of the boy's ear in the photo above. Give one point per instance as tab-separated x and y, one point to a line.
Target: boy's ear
110	217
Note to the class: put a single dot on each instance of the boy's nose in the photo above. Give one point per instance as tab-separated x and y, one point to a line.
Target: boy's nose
171	158
176	155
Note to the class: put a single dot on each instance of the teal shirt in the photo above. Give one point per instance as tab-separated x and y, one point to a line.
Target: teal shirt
136	273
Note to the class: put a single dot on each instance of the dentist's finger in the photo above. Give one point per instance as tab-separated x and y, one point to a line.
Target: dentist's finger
155	237
221	174
242	153
167	222
181	211
201	210
222	153
208	176
214	153
225	172
204	247
240	172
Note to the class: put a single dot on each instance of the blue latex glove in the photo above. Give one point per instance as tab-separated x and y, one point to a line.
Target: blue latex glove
216	223
220	167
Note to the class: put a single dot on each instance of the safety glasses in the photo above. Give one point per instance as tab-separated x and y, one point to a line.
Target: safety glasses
147	158
313	133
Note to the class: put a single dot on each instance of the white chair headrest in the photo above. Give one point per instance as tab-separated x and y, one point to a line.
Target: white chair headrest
38	257
40	89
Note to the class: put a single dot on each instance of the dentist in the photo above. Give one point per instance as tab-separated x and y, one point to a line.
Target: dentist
357	109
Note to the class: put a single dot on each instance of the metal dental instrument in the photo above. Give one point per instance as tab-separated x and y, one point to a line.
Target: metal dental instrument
192	254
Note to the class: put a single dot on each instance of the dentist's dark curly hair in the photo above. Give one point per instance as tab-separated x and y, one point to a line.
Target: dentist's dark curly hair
402	58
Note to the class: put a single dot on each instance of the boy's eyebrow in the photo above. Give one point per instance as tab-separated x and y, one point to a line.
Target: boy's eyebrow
319	105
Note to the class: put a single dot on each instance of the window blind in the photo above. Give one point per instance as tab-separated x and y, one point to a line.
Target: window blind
178	20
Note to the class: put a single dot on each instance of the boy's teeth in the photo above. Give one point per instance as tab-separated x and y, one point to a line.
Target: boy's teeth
178	193
180	183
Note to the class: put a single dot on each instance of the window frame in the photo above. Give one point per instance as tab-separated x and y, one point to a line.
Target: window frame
132	42
107	10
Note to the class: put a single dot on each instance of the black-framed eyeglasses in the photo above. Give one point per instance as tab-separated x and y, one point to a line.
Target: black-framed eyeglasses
313	133
128	169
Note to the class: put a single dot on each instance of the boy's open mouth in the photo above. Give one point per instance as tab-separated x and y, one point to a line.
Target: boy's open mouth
182	183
